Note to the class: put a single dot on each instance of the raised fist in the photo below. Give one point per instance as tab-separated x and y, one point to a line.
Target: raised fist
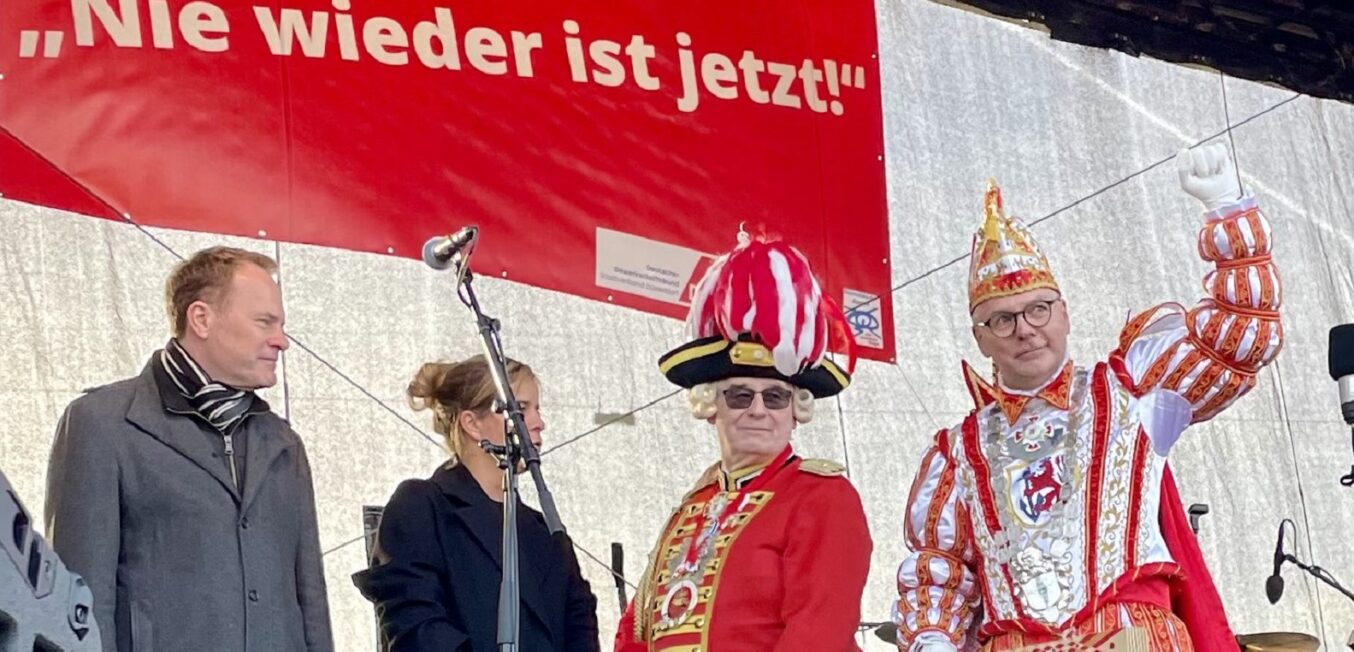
1207	174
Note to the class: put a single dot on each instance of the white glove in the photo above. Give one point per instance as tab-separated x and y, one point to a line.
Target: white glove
932	642
1207	174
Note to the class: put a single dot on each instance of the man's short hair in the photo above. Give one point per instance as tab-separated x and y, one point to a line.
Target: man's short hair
206	276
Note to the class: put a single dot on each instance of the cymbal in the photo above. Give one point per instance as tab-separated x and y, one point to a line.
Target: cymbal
1263	642
1278	642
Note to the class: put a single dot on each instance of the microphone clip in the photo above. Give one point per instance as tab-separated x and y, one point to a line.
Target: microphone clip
442	252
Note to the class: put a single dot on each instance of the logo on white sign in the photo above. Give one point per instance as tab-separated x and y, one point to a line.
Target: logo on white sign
862	313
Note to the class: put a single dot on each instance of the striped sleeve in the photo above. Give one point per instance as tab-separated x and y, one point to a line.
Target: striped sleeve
937	588
1210	354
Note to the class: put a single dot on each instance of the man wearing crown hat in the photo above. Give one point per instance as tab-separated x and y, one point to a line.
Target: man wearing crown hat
768	551
1049	512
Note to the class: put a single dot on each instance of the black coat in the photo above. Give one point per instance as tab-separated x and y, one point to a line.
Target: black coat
436	570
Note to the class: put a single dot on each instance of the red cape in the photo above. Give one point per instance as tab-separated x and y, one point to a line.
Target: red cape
1194	598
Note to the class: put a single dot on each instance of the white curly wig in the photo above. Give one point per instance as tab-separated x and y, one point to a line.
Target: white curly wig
702	398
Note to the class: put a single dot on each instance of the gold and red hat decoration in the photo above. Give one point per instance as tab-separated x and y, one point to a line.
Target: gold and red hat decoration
759	311
1005	258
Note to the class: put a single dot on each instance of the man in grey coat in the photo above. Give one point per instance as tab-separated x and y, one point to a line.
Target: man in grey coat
182	499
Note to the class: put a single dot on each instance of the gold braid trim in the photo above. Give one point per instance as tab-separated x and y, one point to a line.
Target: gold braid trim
644	594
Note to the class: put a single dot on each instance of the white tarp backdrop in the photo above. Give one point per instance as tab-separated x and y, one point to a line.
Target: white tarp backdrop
1080	136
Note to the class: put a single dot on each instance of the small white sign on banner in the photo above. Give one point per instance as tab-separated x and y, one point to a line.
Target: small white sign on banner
648	268
862	313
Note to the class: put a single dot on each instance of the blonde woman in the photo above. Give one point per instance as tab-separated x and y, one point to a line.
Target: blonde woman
436	567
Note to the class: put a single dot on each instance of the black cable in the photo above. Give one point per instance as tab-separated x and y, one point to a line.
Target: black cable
610	421
604	565
1099	192
343	545
364	391
127	218
577	547
1227	117
282	356
841	427
963	257
1274	368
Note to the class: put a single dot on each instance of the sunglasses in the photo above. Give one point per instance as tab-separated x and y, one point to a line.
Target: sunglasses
774	398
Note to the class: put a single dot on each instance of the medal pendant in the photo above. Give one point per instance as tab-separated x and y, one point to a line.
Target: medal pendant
678	604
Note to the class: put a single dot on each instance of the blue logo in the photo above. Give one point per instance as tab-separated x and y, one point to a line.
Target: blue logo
864	320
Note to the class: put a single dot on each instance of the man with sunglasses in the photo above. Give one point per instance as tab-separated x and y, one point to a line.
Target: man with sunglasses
768	552
1049	512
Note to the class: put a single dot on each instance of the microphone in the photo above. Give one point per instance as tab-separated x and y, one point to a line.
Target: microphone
1274	585
439	251
1341	363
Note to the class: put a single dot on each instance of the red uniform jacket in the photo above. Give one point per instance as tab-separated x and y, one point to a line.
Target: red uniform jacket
787	572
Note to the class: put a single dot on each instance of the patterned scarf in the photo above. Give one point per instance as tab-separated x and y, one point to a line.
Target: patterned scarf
222	406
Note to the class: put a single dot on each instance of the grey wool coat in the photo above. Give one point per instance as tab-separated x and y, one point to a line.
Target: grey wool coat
141	505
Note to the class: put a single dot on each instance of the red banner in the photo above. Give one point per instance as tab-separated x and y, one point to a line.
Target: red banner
604	148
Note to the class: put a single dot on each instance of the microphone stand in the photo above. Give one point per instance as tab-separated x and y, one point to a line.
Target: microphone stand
517	447
618	572
1319	573
1348	480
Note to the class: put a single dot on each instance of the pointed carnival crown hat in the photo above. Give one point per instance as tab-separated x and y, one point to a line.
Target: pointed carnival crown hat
760	312
1005	259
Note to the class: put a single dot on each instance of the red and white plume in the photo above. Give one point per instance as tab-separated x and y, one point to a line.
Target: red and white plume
767	289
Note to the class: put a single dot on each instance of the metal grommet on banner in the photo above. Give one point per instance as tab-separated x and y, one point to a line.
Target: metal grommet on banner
263	233
390	250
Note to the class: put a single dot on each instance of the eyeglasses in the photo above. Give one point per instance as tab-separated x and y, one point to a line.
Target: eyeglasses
774	398
1003	324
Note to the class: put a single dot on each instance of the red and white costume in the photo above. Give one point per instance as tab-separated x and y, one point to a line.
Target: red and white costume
1042	513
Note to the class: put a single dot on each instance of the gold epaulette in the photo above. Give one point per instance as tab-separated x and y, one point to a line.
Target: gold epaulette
825	468
708	477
